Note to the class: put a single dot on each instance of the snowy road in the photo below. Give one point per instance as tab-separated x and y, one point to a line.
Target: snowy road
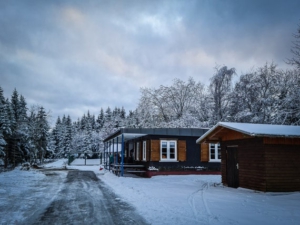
85	199
81	199
58	196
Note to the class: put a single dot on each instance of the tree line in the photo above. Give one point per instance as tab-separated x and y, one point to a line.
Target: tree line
23	133
267	95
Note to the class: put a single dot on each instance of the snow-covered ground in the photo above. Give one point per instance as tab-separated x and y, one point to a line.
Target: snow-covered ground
188	199
23	192
89	162
201	199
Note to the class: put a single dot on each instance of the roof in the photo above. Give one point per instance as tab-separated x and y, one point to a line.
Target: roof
132	133
251	129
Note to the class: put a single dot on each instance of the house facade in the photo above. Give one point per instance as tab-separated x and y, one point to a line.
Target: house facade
166	149
258	156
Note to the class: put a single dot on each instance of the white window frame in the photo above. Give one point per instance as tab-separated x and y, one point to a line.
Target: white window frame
144	150
168	159
138	151
217	148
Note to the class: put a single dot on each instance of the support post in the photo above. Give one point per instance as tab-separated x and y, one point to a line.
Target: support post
113	151
109	156
117	151
122	159
104	158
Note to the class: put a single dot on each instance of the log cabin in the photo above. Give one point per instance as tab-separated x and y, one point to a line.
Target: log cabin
167	150
261	157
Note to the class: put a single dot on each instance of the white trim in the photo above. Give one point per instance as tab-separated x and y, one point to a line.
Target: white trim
144	150
168	159
217	150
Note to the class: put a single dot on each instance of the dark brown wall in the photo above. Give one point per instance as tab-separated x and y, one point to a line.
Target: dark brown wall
265	167
251	158
282	167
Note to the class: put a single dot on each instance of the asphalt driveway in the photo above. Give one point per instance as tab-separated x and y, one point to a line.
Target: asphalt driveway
84	199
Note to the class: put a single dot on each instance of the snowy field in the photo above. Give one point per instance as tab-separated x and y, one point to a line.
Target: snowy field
189	199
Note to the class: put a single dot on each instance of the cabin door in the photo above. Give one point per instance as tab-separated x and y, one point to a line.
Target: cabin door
232	167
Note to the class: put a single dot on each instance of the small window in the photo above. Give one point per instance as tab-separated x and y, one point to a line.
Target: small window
144	150
215	152
168	151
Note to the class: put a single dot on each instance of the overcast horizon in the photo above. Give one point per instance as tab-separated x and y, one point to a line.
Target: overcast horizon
75	56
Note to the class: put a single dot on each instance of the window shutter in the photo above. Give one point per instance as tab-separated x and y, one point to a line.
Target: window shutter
204	152
181	146
141	151
155	150
147	150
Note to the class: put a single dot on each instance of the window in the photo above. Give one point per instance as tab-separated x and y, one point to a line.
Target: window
144	150
168	150
138	151
214	153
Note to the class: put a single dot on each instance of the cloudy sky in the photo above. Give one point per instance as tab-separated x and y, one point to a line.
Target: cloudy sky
75	56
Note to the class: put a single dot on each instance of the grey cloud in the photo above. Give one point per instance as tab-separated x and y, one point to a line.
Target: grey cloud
71	56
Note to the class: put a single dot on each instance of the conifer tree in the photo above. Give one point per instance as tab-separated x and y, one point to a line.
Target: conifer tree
4	124
100	120
42	128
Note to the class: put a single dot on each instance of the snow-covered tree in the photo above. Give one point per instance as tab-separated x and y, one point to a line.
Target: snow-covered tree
220	90
287	105
295	60
166	104
41	135
100	120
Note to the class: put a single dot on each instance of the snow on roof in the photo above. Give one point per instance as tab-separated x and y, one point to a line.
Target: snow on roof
258	130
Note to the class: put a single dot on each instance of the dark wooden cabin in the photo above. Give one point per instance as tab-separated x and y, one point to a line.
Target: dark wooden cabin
167	149
258	156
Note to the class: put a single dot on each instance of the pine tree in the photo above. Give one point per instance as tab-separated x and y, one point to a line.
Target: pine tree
58	137
4	126
100	120
68	135
42	128
108	114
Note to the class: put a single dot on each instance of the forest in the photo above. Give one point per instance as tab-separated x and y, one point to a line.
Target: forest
266	94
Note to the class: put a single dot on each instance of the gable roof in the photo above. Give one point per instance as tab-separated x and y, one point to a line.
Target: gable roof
251	129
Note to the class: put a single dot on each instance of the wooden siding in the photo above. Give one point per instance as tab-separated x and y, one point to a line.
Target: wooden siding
204	148
234	135
251	162
147	150
141	151
181	147
282	141
282	167
155	150
223	163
